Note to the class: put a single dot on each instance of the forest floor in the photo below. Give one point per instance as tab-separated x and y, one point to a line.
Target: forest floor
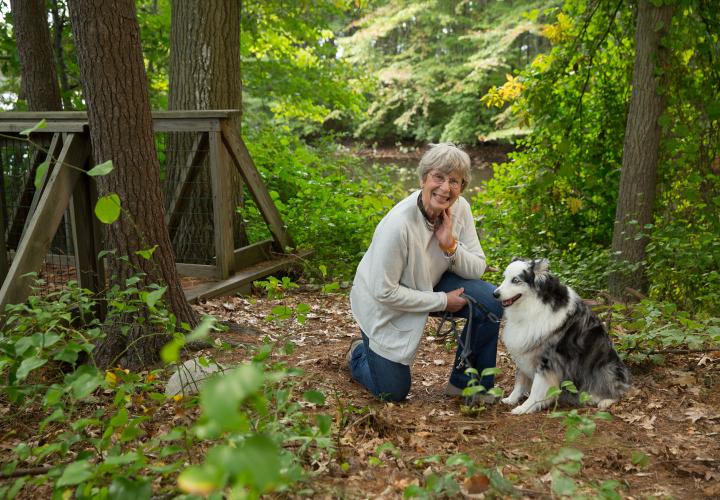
662	442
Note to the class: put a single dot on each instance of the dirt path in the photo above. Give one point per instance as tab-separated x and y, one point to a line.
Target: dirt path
670	419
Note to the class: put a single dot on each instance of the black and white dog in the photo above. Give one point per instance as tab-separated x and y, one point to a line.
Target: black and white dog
553	336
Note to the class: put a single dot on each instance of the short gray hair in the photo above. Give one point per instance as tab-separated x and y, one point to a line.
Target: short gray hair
446	158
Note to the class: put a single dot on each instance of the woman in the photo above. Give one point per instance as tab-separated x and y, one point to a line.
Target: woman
424	255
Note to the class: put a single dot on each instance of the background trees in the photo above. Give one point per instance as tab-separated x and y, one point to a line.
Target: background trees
39	78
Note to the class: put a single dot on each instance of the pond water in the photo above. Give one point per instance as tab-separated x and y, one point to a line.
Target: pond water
403	164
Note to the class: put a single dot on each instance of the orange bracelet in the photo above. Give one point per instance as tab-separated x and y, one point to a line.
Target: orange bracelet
451	249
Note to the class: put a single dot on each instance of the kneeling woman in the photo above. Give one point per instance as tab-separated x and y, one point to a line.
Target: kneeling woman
424	254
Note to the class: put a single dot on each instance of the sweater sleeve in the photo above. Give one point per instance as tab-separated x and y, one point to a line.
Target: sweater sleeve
389	259
469	259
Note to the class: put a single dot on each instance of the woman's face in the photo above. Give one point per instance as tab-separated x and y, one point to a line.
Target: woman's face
440	191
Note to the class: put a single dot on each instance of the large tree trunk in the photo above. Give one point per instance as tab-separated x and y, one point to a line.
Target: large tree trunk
204	74
107	37
638	177
39	80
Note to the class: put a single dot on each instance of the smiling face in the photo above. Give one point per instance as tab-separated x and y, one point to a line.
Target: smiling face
440	191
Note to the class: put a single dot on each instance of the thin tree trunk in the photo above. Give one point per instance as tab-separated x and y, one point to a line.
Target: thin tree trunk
107	37
636	197
39	80
204	74
59	20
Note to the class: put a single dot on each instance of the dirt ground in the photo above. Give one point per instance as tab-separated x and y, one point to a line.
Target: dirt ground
671	414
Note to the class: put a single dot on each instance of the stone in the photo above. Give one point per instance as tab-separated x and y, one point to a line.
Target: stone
188	377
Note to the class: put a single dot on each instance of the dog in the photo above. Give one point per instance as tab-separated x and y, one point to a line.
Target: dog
553	336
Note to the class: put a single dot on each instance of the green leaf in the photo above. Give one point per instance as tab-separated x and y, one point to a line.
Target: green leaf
255	463
640	459
200	480
107	208
40	173
568	454
147	254
315	397
553	392
102	169
123	488
83	381
561	484
323	422
713	110
75	473
152	297
221	396
39	125
490	371
170	352
28	365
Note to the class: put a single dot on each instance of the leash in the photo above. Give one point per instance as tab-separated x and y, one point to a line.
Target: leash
464	343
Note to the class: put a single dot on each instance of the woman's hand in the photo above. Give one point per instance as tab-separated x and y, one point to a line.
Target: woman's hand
454	301
444	232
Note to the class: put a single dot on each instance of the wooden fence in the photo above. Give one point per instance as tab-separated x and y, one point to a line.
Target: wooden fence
31	220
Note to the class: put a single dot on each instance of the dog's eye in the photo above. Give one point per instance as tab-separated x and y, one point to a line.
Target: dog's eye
516	281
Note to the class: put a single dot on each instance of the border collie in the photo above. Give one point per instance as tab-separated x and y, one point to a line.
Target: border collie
553	336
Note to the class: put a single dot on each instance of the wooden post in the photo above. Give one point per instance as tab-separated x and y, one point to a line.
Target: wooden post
244	163
85	231
44	222
3	227
222	205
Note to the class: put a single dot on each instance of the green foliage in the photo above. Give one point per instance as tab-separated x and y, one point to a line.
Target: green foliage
291	74
651	327
561	186
430	61
329	201
102	442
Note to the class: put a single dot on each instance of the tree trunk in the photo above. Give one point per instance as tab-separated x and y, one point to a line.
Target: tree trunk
114	81
636	197
204	74
39	80
59	20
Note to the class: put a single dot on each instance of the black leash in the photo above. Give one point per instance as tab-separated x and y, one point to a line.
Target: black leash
464	361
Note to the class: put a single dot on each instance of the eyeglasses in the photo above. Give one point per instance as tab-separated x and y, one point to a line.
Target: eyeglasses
454	183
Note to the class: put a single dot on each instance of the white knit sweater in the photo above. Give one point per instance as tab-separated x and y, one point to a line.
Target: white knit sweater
392	293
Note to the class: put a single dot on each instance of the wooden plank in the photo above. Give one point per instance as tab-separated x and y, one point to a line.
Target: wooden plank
183	189
29	185
252	254
85	233
198	271
223	208
36	241
17	126
186	125
244	277
244	163
28	194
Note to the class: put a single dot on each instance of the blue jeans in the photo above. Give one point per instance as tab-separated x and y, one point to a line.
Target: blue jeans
390	381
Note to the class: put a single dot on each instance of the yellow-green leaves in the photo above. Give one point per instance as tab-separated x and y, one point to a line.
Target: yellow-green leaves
107	208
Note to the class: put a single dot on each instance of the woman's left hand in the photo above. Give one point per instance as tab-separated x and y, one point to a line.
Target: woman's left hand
444	232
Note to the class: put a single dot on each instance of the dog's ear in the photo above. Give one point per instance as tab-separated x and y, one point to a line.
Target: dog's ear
540	266
515	258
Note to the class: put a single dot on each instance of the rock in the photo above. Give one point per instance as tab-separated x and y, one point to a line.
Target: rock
189	376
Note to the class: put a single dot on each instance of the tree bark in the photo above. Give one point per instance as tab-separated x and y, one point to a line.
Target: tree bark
59	21
638	177
39	80
204	74
107	38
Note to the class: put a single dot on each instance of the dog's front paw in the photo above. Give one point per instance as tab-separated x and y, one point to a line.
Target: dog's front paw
523	409
510	400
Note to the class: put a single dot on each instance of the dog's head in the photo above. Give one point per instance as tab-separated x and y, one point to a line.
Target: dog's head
520	277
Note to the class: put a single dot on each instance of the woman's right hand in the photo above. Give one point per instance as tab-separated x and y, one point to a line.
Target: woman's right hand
454	301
